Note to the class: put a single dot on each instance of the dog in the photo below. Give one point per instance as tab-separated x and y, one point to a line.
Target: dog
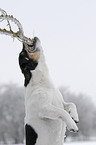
46	113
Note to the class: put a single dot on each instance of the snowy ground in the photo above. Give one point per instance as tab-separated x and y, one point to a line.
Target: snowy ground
79	143
74	143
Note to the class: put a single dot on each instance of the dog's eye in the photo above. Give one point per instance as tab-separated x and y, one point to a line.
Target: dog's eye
22	53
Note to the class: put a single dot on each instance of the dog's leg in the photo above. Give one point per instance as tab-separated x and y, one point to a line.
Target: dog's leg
31	135
51	112
72	110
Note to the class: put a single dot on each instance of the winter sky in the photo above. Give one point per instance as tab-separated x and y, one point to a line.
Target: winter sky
67	30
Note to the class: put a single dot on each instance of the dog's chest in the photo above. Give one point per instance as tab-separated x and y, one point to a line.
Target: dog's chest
57	99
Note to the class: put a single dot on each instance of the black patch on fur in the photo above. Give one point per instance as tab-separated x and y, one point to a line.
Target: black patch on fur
31	135
26	64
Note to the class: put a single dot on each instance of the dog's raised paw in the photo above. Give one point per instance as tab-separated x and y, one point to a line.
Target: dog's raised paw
75	131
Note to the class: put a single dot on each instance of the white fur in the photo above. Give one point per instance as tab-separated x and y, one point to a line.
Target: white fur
45	108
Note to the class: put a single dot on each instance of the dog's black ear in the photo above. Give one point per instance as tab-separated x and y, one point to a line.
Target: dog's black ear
28	76
23	63
26	64
22	60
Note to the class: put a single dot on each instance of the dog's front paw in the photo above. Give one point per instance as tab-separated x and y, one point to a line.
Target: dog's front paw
72	110
73	113
72	127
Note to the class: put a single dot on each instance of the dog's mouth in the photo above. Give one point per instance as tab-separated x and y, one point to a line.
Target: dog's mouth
32	48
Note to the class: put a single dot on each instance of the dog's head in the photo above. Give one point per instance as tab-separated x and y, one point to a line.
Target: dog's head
29	60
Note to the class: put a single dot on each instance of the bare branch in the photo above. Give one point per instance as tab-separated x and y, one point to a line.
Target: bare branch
8	17
19	34
3	13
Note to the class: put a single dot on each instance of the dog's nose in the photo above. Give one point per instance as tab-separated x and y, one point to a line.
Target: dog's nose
36	39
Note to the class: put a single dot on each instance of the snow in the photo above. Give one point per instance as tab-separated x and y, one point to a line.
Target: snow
79	143
72	143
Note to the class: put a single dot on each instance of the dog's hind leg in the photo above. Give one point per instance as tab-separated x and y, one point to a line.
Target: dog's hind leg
31	135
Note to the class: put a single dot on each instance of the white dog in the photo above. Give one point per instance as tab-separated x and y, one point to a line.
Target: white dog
47	115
